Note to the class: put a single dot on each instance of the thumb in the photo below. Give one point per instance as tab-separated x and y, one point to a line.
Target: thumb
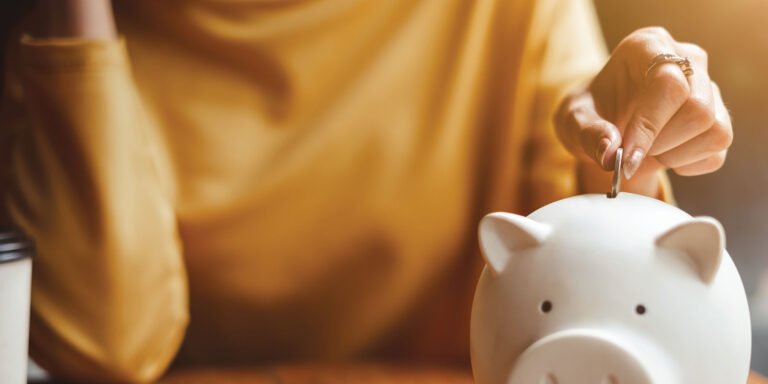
586	134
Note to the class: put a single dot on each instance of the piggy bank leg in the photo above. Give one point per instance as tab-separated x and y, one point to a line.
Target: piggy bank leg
578	357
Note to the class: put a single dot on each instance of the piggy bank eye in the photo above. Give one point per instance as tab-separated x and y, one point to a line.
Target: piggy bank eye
640	309
546	306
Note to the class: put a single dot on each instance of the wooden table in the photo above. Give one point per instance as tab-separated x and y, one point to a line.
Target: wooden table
368	373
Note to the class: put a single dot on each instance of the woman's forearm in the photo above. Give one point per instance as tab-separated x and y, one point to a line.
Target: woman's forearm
87	19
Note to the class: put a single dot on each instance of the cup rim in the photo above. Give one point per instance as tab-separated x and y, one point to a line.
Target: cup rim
13	256
14	246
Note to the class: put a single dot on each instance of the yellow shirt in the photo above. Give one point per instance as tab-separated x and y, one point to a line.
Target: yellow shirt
280	180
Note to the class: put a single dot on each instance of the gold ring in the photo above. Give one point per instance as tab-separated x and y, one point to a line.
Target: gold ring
668	58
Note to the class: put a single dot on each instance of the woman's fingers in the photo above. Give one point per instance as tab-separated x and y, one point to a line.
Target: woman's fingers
663	92
678	120
704	149
697	113
584	132
709	143
707	165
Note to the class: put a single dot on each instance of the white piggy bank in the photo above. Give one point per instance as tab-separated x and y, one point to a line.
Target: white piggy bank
593	290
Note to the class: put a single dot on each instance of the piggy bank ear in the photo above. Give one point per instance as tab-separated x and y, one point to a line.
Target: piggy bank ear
504	234
702	240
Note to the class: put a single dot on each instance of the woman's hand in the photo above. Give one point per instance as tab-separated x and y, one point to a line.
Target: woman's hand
87	19
662	119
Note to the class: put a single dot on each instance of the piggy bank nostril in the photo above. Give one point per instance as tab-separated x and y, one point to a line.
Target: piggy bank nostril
550	378
610	379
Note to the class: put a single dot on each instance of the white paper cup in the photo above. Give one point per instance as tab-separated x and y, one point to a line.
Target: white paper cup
15	280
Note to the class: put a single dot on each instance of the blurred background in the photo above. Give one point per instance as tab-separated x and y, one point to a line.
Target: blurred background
736	35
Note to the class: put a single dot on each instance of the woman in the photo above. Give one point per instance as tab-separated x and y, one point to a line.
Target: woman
301	180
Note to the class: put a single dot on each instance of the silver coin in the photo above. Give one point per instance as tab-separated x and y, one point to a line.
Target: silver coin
616	185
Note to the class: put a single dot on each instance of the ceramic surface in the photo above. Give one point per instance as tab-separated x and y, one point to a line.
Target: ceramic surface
14	319
608	291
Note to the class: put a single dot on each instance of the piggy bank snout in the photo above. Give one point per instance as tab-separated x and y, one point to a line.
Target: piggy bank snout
580	357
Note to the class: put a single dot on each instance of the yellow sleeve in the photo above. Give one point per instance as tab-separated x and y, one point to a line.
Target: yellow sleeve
109	300
573	51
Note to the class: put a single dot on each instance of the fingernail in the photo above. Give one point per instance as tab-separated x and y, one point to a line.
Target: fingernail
602	147
633	163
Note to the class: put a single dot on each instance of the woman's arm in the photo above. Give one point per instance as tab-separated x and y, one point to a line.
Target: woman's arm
109	286
570	53
83	19
666	116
